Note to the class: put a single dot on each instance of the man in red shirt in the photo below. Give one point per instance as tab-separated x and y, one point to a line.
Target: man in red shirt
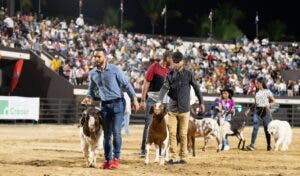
153	82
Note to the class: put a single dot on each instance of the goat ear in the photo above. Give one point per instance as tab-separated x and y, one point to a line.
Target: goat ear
83	117
100	119
82	120
151	110
165	108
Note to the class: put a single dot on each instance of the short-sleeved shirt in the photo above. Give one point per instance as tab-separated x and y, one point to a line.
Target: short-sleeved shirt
262	97
227	104
156	75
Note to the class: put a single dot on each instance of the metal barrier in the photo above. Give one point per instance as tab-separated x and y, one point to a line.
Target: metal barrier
290	113
69	110
54	110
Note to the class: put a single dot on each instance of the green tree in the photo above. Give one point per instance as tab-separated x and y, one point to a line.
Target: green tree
276	30
112	17
25	5
153	9
225	23
201	25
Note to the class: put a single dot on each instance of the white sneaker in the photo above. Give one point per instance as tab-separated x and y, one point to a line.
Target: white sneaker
226	147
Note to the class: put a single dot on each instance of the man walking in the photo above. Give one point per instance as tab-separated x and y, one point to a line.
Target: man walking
178	84
153	82
110	80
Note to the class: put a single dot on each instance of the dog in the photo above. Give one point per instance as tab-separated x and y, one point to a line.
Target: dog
282	133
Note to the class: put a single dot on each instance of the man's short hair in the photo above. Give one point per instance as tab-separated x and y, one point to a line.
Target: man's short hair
100	49
177	57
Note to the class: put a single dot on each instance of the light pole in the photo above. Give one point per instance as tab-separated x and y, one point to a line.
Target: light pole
210	16
122	12
256	22
39	7
165	21
11	7
164	14
80	6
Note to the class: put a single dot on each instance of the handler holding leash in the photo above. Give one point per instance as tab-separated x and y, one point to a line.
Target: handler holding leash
178	84
109	80
261	110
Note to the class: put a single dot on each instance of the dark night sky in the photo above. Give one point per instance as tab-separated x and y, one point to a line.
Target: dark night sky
287	11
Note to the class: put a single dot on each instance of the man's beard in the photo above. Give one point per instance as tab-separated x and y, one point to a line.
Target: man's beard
99	64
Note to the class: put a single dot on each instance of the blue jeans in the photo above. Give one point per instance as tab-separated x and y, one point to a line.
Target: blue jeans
148	119
256	122
112	114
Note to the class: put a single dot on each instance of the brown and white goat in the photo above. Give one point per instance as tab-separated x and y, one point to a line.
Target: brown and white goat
158	133
91	135
205	128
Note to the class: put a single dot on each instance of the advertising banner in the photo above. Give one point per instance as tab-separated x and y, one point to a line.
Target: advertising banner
19	108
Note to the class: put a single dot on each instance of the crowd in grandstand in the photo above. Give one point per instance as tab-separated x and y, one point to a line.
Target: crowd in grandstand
214	64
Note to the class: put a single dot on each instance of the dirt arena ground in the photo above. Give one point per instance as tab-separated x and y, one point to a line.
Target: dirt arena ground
52	150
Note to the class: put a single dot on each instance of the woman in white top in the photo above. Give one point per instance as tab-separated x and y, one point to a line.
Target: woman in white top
261	110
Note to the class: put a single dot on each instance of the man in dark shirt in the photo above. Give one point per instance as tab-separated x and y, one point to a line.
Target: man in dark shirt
178	84
153	82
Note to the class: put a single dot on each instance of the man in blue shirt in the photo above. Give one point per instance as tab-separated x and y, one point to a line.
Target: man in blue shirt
109	79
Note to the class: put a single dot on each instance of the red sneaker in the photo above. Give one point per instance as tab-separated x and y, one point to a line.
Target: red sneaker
105	165
115	163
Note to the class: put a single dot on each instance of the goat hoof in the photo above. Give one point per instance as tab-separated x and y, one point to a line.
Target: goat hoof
91	165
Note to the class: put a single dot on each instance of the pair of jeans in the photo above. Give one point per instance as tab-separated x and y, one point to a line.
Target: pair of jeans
113	116
148	119
256	122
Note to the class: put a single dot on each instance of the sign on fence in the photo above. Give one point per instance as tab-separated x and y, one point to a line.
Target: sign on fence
19	108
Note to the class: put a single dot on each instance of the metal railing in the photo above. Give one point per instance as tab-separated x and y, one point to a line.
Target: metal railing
63	111
54	110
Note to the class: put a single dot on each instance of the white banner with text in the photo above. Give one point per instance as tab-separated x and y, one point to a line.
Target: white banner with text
24	108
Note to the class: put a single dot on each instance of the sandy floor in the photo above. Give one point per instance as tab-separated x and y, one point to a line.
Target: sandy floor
50	150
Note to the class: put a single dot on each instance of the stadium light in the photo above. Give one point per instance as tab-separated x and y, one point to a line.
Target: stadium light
122	12
39	7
